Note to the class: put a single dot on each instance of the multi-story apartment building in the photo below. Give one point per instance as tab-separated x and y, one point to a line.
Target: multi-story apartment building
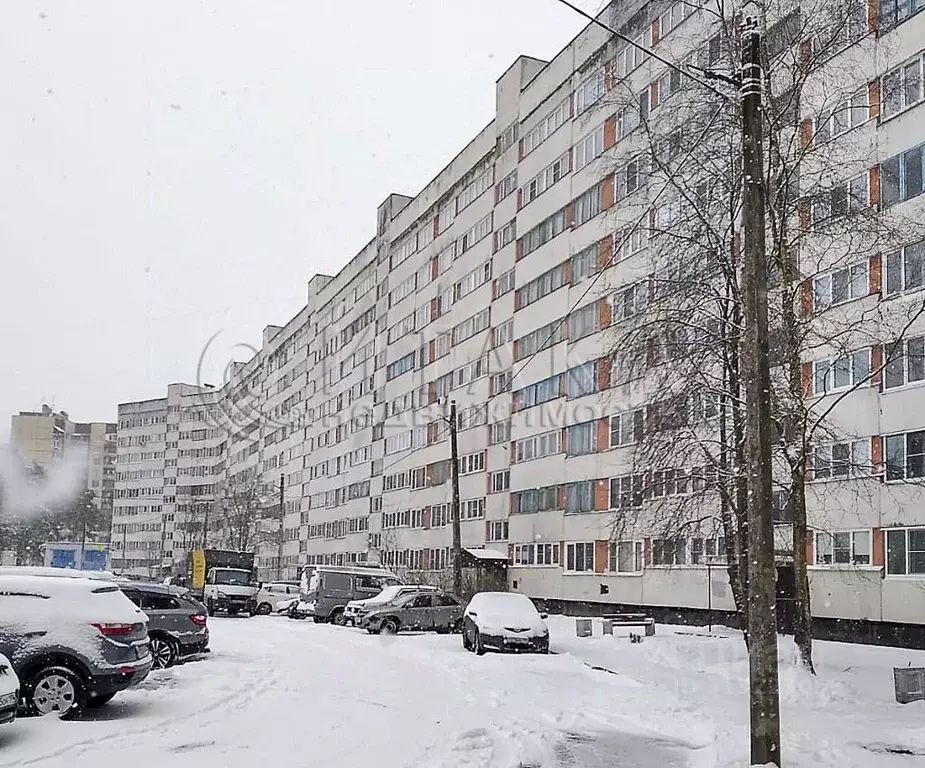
501	286
45	437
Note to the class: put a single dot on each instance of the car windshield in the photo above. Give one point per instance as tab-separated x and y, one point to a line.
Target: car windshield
233	577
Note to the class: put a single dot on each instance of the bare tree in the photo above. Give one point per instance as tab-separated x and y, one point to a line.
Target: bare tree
241	502
677	337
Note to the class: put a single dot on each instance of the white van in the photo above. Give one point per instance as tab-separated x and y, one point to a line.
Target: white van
328	589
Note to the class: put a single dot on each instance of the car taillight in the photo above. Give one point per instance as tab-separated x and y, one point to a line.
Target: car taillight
198	619
115	630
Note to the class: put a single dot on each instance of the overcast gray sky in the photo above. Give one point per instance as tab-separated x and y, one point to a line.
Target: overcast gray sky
173	169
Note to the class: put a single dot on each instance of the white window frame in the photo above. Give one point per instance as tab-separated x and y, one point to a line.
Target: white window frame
572	554
826	553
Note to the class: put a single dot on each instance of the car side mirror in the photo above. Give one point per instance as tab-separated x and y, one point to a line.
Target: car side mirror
472	615
544	615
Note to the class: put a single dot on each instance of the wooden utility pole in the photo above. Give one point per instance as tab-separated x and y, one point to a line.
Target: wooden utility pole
282	520
457	533
762	614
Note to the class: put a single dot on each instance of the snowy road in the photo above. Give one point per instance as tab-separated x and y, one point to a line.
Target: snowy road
305	694
299	694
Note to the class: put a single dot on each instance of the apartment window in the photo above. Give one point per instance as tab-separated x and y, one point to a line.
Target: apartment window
541	286
628	241
540	392
498	530
631	300
842	548
400	366
552	173
474	189
403	290
901	177
535	500
626	557
905	362
501	382
583	322
581	380
893	12
504	283
842	372
501	481
545	231
471	326
509	137
475	279
632	176
579	497
627	491
499	432
587	205
708	551
590	147
905	456
503	333
472	463
472	509
547	126
539	340
902	87
905	552
507	234
905	269
446	257
843	117
840	285
627	428
581	438
579	556
841	460
479	231
849	197
538	446
506	186
589	91
631	56
669	551
586	262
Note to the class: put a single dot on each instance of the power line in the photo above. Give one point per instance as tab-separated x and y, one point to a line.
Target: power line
649	51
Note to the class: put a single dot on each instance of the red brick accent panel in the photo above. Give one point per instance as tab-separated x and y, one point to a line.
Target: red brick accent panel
876	365
875	273
806	375
873	99
873	15
605	313
604	370
647	551
808	468
605	252
563	501
806	298
610	132
876	454
520	249
607	192
600	556
806	215
601	495
877	548
603	442
656	30
809	547
806	134
875	185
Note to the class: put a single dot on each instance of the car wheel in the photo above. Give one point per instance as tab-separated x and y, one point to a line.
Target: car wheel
232	611
479	648
338	617
163	652
457	626
389	627
98	701
56	690
465	638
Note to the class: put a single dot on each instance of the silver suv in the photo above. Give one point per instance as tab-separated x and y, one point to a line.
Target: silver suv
177	623
73	642
430	610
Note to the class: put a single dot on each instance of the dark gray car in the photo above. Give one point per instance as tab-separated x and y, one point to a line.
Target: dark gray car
73	642
429	611
177	623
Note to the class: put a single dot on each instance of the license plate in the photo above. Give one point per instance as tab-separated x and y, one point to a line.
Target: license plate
8	699
517	641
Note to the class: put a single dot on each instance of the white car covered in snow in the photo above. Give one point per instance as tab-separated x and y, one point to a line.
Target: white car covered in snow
356	611
9	691
504	621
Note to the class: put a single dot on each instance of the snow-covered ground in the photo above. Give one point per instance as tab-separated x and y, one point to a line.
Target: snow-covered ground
281	692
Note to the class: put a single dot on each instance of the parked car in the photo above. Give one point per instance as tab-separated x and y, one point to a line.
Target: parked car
331	587
355	611
47	570
9	691
177	622
504	621
272	593
72	642
428	610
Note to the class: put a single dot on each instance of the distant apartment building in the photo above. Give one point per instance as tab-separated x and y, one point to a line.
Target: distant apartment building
45	437
501	286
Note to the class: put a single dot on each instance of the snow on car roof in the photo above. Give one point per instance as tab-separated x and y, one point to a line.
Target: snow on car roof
61	573
487	554
507	604
27	597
